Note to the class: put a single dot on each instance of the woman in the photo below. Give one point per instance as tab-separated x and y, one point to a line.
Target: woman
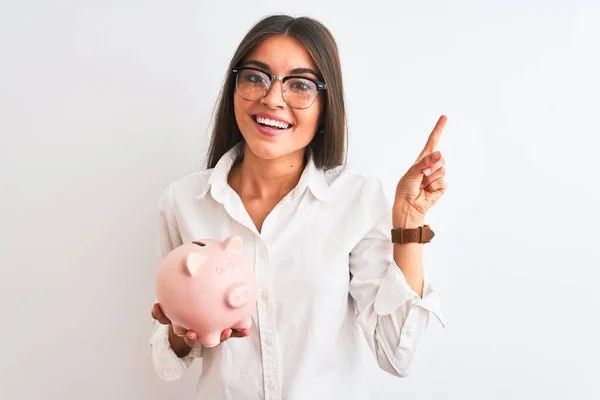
318	232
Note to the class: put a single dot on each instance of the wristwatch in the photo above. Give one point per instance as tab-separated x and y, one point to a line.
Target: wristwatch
422	234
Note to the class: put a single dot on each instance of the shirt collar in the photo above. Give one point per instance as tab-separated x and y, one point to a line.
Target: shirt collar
311	178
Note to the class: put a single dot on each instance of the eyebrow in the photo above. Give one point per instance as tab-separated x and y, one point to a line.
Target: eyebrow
264	66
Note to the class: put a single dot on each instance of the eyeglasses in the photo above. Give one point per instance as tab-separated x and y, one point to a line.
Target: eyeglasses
298	92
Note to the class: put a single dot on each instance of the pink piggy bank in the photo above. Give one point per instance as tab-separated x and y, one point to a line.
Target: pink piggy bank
207	286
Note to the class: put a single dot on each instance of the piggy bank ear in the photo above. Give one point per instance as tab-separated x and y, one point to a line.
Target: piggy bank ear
194	262
233	244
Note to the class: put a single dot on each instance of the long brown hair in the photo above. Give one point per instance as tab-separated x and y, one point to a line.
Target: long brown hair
330	146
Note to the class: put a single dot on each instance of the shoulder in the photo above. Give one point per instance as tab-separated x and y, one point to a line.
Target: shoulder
353	181
351	176
185	188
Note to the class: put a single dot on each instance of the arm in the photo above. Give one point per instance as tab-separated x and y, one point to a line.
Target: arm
409	256
391	312
171	356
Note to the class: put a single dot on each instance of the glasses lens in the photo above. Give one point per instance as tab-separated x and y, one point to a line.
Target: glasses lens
252	85
299	93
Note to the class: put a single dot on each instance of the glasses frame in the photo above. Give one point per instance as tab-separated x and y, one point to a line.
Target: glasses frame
321	86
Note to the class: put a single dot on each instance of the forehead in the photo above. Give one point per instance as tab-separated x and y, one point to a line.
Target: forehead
282	54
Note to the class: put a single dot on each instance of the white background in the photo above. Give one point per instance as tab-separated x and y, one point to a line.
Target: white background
102	103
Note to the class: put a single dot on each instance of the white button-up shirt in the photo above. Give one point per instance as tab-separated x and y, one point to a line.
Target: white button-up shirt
327	280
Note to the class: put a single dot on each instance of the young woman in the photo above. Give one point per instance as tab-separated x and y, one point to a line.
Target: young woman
335	262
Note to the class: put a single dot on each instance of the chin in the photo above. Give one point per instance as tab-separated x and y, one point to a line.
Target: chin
267	151
272	144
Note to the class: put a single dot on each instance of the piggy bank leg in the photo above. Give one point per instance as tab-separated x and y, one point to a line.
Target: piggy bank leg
179	330
210	339
245	324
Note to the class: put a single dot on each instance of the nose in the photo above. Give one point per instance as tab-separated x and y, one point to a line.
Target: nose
237	295
274	97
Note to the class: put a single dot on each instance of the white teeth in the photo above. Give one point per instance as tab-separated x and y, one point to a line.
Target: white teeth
272	122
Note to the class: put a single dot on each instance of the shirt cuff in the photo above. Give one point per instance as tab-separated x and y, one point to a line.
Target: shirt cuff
394	292
167	364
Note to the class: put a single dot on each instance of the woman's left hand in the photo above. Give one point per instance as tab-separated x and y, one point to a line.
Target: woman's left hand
423	184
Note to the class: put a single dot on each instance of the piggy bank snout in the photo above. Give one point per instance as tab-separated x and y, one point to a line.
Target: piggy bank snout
237	295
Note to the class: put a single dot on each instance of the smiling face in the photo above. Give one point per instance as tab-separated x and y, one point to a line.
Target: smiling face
270	127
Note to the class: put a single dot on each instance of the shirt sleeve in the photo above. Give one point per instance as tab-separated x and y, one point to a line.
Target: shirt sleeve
166	363
391	314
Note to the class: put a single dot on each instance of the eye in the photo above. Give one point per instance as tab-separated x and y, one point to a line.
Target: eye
252	77
301	85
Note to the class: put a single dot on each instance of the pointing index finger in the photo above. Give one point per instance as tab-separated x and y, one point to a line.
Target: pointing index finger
434	137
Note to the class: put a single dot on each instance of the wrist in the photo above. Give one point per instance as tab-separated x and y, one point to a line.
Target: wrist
402	217
178	344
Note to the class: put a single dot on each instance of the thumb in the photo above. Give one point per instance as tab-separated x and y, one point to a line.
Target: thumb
423	166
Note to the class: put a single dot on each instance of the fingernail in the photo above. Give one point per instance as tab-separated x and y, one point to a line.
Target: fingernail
427	171
436	156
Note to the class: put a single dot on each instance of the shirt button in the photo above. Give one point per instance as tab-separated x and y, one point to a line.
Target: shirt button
271	385
268	342
265	295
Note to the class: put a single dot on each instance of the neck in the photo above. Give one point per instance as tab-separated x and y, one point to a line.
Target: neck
267	179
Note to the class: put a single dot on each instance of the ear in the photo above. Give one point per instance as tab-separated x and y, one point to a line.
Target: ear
193	262
233	244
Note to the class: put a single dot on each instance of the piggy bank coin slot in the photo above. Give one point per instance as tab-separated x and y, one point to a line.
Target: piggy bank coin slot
199	243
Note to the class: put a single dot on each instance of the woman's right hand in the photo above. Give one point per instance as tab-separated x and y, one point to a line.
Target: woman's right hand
189	338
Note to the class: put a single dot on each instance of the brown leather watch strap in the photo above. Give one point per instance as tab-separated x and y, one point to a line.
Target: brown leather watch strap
422	234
